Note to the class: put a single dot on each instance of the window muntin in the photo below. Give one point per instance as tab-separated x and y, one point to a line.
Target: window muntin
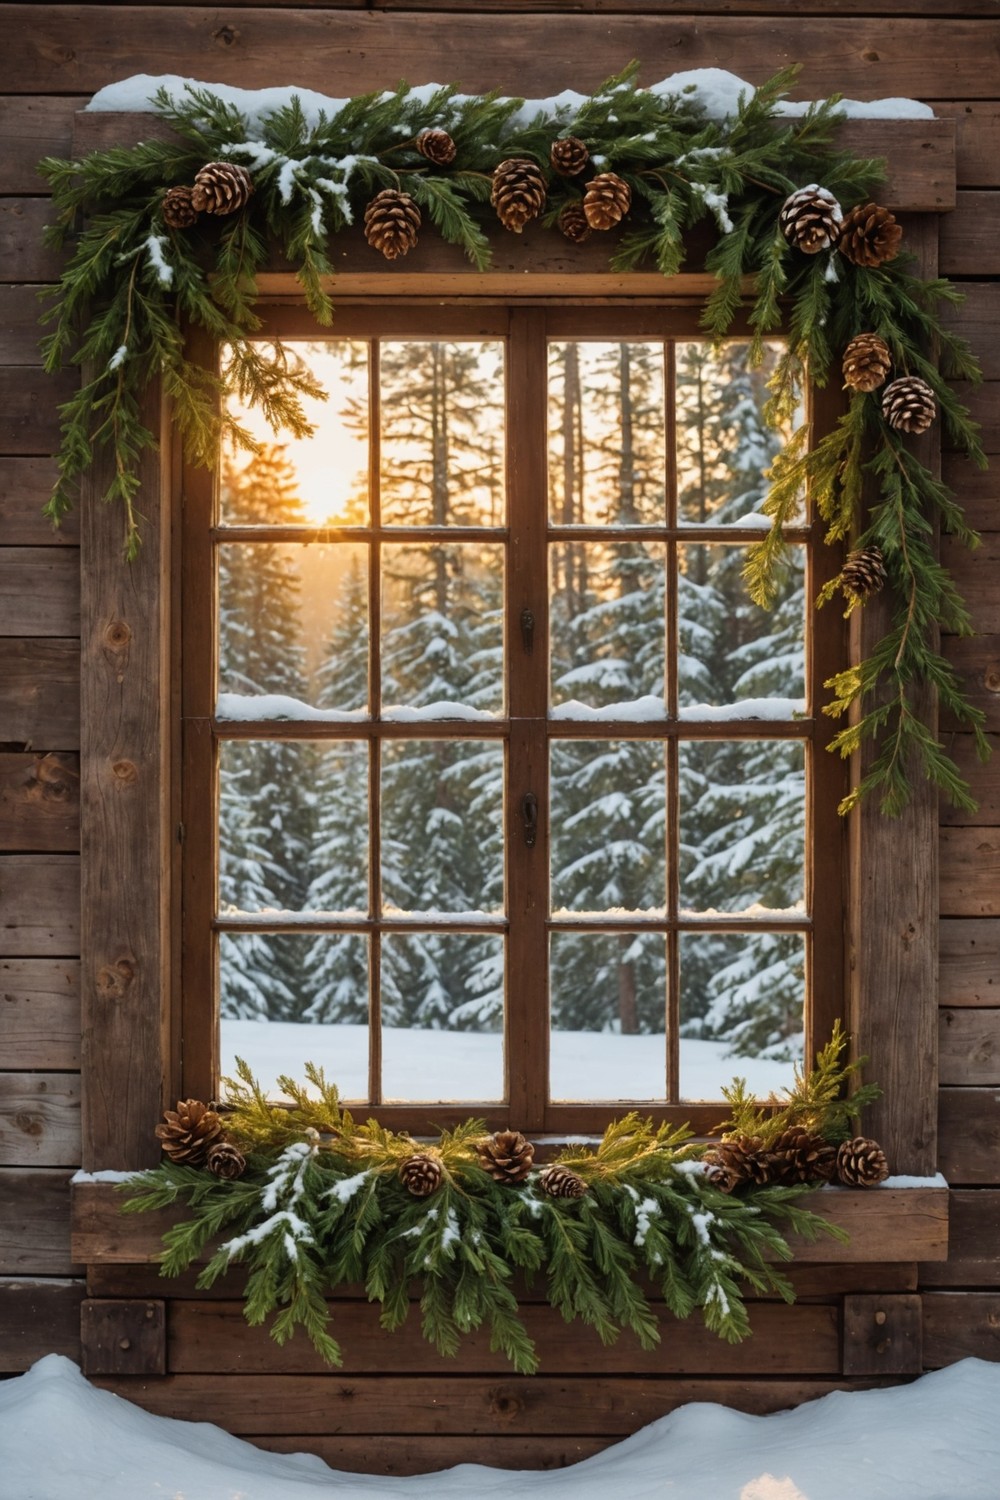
661	957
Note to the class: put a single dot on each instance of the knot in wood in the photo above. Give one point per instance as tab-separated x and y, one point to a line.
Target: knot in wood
505	1404
991	678
117	635
226	36
114	980
28	1124
125	771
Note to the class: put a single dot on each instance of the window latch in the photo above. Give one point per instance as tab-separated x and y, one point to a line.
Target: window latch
529	817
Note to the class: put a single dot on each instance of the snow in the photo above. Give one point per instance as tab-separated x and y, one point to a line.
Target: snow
243	707
934	1439
776	709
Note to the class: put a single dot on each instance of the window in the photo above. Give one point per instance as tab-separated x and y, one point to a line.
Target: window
499	796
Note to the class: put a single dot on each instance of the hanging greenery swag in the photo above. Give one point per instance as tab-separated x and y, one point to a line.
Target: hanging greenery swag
166	234
308	1199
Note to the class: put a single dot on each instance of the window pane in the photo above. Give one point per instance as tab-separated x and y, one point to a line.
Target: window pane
292	998
741	1010
442	433
442	826
442	630
442	1016
608	800
730	650
293	826
742	825
723	444
607	629
608	1012
607	461
314	481
293	631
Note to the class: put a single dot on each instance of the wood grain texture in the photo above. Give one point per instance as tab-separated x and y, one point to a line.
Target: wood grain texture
38	1318
123	1338
39	905
975	573
969	961
982	403
25	486
39	802
40	693
30	129
970	237
40	1013
969	1125
23	256
977	127
34	1222
39	591
975	1235
882	1335
982	778
969	1048
977	662
29	417
978	320
970	872
960	1325
20	330
39	1119
977	491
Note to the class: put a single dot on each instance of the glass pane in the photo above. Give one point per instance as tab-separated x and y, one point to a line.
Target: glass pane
292	998
442	1016
607	459
742	825
607	629
442	631
313	481
608	1010
442	826
293	826
742	1007
608	800
293	631
730	650
723	443
442	434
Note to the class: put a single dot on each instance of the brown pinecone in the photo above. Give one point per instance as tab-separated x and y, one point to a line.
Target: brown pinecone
518	193
908	404
863	574
177	208
739	1159
561	1182
221	187
507	1156
573	222
391	223
569	156
861	1163
421	1174
188	1131
800	1155
437	146
606	201
867	361
226	1160
869	235
810	219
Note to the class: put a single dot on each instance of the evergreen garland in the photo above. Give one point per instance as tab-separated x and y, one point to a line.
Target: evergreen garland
132	281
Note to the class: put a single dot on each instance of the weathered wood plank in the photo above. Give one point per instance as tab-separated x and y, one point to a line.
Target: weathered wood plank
977	127
34	1222
31	128
39	1119
39	905
978	320
975	1234
123	1338
39	802
23	256
882	1335
960	1325
983	403
40	694
983	779
975	574
20	331
970	872
977	662
38	1318
970	1047
977	491
970	961
39	591
25	486
970	237
969	1123
29	401
40	1013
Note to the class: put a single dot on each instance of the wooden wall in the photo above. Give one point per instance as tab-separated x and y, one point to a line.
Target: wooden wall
54	57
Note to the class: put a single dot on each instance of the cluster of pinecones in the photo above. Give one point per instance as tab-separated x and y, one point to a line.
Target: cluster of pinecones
908	403
507	1156
220	187
192	1136
812	220
794	1157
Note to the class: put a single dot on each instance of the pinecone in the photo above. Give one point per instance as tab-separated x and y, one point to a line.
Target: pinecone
573	222
177	208
226	1160
518	193
569	156
421	1174
810	219
867	362
739	1159
507	1156
863	574
869	235
221	187
188	1131
908	404
606	201
391	223
561	1182
861	1163
800	1155
437	146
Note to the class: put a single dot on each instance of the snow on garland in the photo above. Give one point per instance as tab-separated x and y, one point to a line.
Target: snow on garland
308	1199
175	232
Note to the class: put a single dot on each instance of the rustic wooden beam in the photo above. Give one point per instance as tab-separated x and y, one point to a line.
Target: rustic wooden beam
962	1325
882	1335
34	1222
974	1215
969	1122
38	1318
123	1338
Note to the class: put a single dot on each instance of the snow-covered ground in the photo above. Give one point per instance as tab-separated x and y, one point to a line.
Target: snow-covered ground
937	1439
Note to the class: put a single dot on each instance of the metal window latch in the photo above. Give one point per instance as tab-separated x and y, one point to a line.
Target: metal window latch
527	630
529	817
